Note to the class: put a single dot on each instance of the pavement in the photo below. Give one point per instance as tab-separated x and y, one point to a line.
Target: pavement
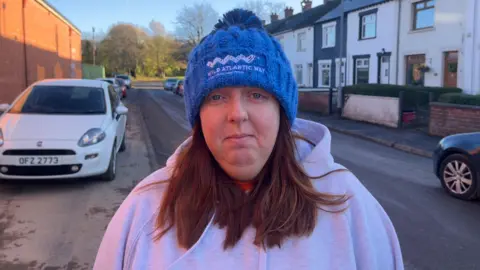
51	225
408	140
436	231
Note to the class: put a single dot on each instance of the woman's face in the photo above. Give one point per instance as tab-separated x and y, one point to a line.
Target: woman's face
240	126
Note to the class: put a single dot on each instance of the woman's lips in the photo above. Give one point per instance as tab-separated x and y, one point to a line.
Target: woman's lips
239	138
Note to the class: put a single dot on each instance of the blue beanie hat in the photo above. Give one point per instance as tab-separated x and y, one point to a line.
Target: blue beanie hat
239	52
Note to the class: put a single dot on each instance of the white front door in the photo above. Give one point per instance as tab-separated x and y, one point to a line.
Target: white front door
385	69
339	72
310	75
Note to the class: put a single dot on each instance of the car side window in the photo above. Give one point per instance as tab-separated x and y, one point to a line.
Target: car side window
113	98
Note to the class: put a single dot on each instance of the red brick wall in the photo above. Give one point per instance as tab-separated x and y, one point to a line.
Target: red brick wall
46	49
313	102
447	119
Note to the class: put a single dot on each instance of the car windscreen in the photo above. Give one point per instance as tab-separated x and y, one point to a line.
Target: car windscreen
110	82
125	77
47	99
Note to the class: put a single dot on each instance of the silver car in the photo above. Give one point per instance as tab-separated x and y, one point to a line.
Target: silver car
171	84
126	79
116	84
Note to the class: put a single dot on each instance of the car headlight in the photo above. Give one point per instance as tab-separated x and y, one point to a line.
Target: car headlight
1	137
91	137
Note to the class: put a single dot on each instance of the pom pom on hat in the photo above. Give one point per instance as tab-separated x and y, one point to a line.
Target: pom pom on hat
241	18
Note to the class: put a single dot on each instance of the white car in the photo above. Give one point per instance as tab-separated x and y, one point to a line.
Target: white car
66	128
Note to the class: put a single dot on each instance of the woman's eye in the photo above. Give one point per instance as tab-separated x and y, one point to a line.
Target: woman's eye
257	96
215	97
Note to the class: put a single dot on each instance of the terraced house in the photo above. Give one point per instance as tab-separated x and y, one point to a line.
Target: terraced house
440	37
296	33
406	42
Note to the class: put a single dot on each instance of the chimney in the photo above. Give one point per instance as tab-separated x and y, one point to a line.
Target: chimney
273	17
288	12
307	4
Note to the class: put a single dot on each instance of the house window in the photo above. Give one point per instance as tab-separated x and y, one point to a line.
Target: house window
324	73
362	66
368	25
299	74
423	14
281	41
301	37
328	35
414	73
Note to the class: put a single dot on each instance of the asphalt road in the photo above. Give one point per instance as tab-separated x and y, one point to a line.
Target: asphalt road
57	225
436	231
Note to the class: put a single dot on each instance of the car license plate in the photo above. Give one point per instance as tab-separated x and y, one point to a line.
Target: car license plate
38	161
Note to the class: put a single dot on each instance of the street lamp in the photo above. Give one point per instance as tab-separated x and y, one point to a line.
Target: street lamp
94	46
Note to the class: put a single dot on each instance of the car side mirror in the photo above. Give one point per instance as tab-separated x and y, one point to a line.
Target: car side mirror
4	107
121	110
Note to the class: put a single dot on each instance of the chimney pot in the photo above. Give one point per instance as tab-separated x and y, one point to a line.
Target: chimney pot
273	17
288	12
307	4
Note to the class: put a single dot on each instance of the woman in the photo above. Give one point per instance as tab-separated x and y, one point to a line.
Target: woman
253	187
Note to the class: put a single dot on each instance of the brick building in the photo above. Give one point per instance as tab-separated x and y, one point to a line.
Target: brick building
36	42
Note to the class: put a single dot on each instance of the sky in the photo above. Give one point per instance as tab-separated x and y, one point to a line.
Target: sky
100	14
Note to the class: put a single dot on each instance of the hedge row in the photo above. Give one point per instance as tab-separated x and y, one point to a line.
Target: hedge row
413	96
459	98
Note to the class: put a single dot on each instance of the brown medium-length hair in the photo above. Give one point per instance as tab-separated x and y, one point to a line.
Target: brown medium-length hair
283	203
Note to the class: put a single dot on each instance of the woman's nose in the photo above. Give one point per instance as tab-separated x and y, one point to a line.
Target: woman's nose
237	111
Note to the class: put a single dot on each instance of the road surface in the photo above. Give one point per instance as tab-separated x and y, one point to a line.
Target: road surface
55	225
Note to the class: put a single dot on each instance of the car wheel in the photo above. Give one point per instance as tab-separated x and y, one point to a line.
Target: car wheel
459	178
111	172
123	146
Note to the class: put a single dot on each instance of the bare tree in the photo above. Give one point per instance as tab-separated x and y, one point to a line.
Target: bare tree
196	21
263	8
275	7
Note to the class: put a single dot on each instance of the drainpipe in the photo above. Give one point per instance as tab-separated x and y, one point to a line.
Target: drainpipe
25	42
474	50
397	60
340	86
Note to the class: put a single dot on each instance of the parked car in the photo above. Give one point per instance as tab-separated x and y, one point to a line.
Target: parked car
62	128
456	162
170	84
115	83
126	78
179	88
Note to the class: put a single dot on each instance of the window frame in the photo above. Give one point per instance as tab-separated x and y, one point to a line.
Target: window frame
321	67
301	41
325	27
356	67
297	68
361	16
416	10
